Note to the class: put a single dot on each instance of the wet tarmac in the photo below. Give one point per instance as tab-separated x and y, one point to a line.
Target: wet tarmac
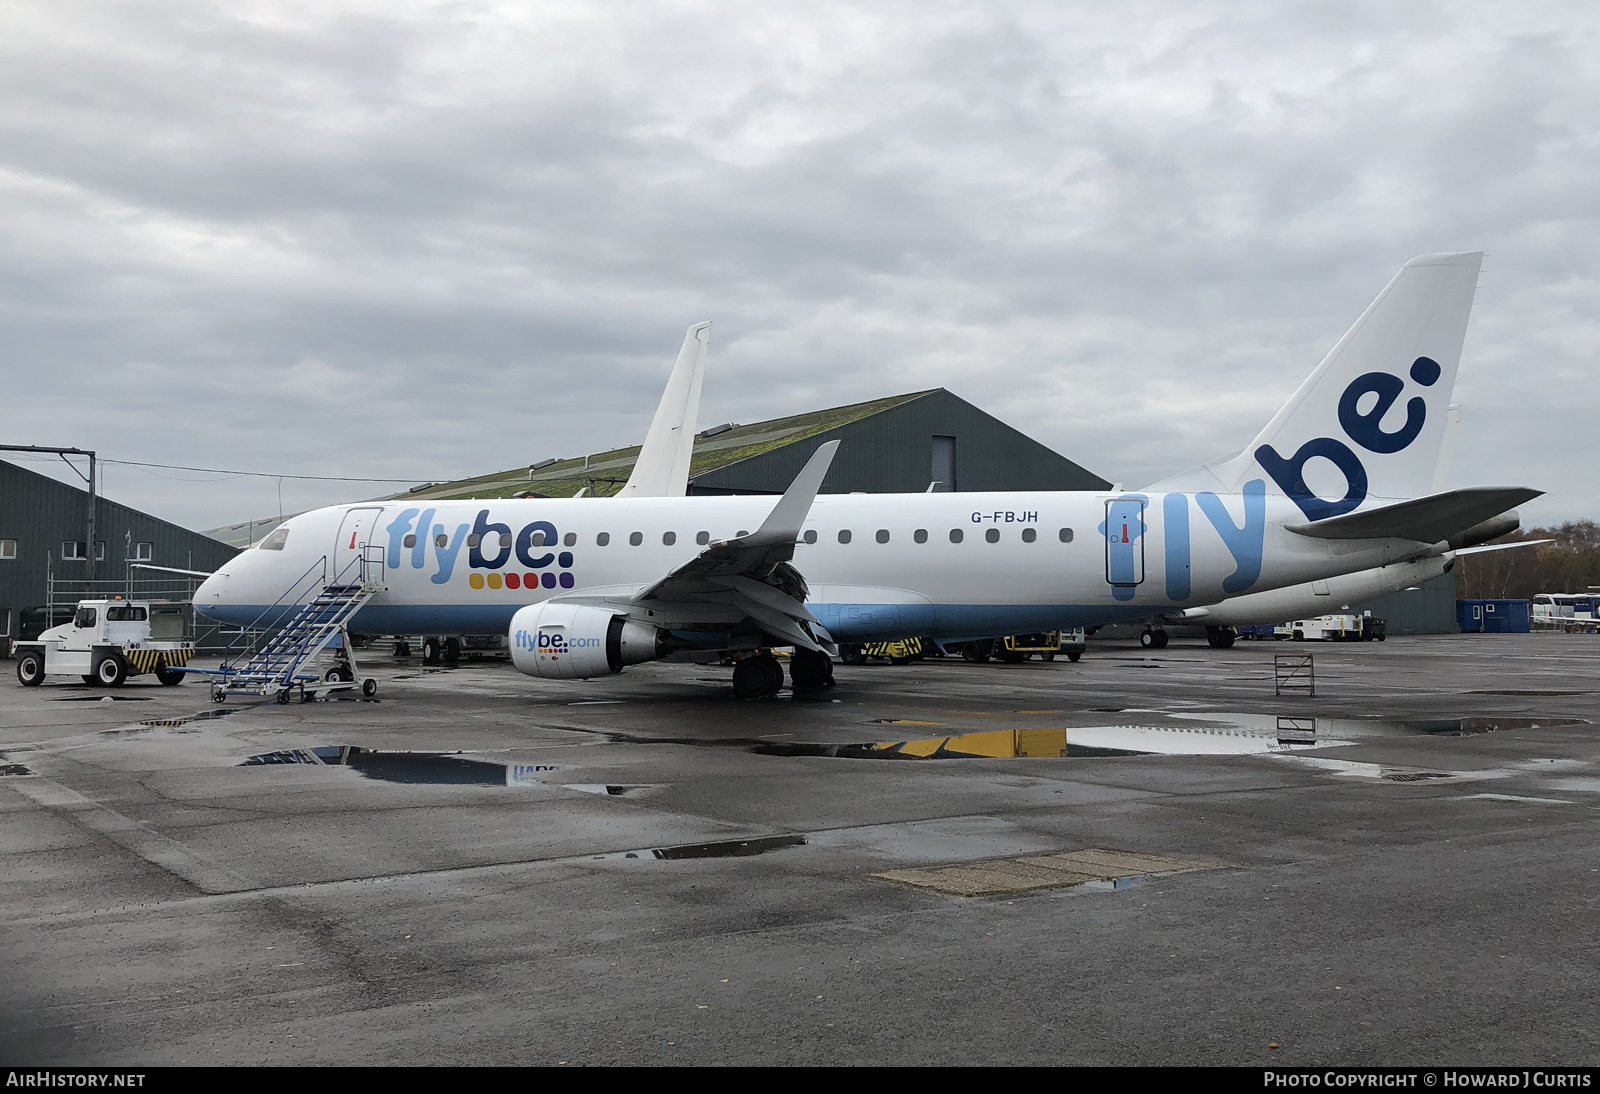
482	868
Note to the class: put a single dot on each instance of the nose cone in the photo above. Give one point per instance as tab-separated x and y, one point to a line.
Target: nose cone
212	593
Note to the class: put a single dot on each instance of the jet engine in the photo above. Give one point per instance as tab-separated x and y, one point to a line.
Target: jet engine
574	641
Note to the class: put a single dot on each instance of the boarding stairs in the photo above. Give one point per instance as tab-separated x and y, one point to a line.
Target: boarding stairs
282	665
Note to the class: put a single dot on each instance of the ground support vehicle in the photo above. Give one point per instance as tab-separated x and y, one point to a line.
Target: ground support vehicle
108	641
1332	628
898	652
1016	648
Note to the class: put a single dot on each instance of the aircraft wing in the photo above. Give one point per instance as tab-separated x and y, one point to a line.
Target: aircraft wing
1427	519
747	577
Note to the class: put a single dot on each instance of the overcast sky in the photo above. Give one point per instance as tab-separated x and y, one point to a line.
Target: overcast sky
430	240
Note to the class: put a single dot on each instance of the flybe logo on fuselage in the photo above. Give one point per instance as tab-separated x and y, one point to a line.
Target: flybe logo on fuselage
1363	427
491	548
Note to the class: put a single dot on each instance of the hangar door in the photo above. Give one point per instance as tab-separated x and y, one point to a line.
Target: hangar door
1125	542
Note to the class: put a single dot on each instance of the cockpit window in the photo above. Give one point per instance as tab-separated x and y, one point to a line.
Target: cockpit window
276	540
84	618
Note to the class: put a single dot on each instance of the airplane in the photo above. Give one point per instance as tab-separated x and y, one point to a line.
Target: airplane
1336	483
1315	598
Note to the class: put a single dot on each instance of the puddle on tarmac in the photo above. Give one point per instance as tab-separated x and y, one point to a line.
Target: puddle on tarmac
1195	735
102	699
733	848
426	768
14	769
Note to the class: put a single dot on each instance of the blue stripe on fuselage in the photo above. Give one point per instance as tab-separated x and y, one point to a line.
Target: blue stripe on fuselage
846	622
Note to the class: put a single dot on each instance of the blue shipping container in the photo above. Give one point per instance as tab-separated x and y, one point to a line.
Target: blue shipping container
1493	616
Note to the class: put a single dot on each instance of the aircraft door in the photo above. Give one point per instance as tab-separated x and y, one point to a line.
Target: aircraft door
355	533
1125	543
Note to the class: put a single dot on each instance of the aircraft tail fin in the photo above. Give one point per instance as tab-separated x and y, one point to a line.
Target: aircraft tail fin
662	469
1368	426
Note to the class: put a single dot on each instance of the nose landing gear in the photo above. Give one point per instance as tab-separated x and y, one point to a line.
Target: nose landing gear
1153	638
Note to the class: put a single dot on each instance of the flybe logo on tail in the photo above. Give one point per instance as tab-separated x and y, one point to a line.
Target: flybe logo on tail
1365	428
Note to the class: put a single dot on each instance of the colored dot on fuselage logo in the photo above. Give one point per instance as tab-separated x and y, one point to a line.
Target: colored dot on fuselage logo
531	580
513	581
567	581
548	581
494	581
476	581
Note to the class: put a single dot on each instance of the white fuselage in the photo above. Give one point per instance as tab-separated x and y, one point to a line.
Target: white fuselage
988	564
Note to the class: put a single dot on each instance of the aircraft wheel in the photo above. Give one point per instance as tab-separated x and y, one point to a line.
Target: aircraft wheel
111	671
30	669
809	670
1158	639
751	679
430	651
1147	639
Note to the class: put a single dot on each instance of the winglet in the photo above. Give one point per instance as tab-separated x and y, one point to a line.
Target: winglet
662	469
784	522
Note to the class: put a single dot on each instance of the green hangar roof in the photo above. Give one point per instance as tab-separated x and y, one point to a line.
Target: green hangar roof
901	444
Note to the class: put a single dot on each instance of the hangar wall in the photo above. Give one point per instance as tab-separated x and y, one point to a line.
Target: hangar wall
40	514
903	448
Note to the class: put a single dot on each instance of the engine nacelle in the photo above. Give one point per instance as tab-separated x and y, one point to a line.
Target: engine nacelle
559	641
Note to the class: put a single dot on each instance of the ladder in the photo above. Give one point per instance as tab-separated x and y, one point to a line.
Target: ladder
279	666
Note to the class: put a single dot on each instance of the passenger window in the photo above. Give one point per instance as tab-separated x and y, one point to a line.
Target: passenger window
505	539
536	539
957	535
702	538
992	535
602	539
635	538
410	540
1066	535
920	535
810	536
669	538
441	540
474	539
883	535
1029	535
844	535
570	539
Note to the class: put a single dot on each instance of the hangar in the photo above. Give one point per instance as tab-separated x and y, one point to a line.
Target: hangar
901	444
43	554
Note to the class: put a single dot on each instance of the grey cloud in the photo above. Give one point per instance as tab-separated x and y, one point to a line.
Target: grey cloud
444	239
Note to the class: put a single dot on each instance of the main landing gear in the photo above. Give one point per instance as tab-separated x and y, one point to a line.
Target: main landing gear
1153	638
1220	638
761	676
